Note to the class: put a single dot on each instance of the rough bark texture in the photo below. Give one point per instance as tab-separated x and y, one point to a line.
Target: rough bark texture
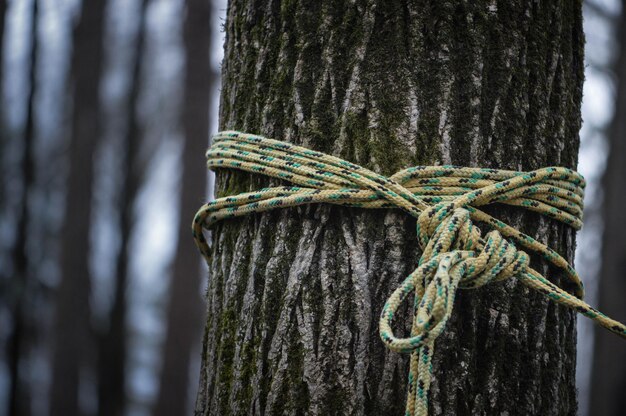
609	366
295	294
71	328
184	314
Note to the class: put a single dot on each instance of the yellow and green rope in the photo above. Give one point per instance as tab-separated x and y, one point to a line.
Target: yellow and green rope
445	200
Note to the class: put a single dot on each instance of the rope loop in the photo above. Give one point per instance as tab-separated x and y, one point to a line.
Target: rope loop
445	200
453	258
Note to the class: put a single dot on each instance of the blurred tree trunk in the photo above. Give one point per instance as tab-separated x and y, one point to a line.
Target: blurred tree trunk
184	311
71	330
18	355
3	13
3	127
608	382
295	294
112	343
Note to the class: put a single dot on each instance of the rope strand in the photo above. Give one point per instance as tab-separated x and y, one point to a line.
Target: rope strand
445	201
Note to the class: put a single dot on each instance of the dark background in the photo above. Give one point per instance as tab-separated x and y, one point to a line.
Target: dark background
106	107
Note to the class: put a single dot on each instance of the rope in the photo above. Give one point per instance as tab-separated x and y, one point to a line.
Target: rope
445	201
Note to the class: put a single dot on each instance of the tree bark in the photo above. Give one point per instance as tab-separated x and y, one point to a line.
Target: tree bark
609	367
184	322
295	294
72	320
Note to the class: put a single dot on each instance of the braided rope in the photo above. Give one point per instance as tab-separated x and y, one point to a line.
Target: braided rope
445	201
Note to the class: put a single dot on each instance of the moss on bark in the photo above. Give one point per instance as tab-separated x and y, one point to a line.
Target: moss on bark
388	84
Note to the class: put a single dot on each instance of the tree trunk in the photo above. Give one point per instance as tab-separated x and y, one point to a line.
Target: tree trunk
3	15
18	351
112	346
3	127
609	367
72	320
184	322
295	294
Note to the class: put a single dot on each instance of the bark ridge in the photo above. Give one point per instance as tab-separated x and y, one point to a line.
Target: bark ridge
388	85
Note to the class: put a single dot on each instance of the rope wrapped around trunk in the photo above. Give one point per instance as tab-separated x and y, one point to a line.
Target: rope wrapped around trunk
445	202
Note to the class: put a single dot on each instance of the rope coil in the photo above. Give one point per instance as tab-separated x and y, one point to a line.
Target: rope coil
445	201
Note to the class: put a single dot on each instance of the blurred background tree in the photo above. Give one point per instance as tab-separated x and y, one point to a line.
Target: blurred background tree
70	336
609	361
106	114
106	107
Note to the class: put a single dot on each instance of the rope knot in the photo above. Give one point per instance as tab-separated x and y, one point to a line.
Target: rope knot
430	219
445	200
453	256
497	260
443	227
